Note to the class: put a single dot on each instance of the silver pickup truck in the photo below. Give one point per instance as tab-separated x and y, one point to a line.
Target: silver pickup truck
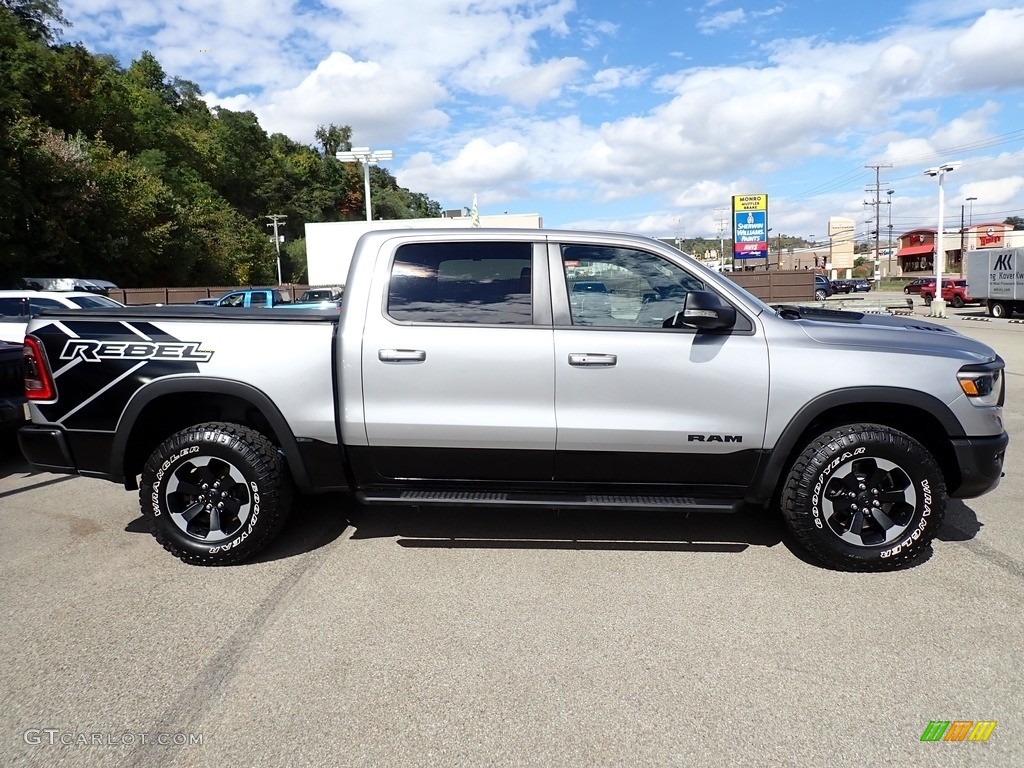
522	368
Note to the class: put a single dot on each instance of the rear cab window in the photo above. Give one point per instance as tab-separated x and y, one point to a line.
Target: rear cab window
474	283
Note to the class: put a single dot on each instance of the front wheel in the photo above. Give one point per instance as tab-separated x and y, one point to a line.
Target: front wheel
997	309
927	299
907	290
216	493
864	497
958	302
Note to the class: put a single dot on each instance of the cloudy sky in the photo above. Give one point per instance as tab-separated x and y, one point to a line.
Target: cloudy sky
643	116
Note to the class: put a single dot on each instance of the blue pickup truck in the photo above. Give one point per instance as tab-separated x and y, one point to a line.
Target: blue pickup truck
250	297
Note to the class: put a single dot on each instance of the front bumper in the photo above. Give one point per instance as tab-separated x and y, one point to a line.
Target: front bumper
46	449
980	460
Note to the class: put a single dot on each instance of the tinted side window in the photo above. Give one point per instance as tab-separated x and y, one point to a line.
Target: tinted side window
13	307
476	283
91	302
38	304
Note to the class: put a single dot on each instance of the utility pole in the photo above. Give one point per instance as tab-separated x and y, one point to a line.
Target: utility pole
877	202
274	218
721	238
888	259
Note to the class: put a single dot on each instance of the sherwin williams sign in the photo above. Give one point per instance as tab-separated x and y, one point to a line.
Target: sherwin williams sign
750	226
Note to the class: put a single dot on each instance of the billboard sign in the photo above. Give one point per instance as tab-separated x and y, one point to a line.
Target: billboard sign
750	226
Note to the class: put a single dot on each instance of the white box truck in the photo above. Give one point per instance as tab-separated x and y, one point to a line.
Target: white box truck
996	277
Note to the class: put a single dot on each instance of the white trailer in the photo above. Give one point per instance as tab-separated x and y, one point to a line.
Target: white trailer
996	278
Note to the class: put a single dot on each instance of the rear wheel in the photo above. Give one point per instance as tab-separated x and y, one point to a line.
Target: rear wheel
820	295
216	493
864	497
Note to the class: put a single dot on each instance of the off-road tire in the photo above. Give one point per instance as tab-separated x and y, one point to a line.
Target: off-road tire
864	497
215	493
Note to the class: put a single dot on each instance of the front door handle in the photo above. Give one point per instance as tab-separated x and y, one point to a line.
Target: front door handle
401	355
590	359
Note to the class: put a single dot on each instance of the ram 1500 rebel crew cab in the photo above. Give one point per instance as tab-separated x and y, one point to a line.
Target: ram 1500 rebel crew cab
517	368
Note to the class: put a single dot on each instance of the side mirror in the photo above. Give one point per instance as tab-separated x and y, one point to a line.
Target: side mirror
703	310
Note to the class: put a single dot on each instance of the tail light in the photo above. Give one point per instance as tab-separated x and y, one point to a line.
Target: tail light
38	381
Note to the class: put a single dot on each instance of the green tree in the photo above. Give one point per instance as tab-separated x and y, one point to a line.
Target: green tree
41	19
334	138
1015	221
127	173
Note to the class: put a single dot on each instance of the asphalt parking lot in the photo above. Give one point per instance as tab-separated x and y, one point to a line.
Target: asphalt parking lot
393	637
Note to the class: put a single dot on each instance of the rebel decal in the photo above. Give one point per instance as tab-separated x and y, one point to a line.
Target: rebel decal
133	354
93	351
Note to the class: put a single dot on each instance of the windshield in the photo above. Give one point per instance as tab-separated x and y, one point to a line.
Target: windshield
93	302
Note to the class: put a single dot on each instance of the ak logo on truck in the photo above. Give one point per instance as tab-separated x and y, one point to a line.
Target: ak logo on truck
92	351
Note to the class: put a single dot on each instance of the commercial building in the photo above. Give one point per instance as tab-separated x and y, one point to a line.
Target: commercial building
916	254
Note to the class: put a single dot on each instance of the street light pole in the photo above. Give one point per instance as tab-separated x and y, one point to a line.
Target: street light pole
274	218
367	157
888	268
938	304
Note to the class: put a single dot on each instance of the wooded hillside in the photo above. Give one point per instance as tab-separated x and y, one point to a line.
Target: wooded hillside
126	174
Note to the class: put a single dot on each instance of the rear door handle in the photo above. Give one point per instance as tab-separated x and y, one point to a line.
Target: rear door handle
590	359
401	355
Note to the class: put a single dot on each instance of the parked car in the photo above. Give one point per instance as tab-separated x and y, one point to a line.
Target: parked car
915	286
16	307
954	292
332	293
856	285
250	297
822	288
90	284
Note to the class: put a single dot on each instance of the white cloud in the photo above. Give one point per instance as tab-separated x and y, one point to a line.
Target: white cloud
990	54
380	105
721	21
513	99
994	192
614	78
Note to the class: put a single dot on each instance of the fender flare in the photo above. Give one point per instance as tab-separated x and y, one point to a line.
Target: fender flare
770	471
196	384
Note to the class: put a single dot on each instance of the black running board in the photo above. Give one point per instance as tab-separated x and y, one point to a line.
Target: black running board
512	499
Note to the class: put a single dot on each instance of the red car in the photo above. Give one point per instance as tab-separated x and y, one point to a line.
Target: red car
915	286
954	292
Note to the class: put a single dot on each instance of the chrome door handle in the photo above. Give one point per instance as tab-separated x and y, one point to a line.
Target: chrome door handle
401	355
585	359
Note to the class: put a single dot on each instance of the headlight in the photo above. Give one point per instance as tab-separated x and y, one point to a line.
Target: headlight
983	384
